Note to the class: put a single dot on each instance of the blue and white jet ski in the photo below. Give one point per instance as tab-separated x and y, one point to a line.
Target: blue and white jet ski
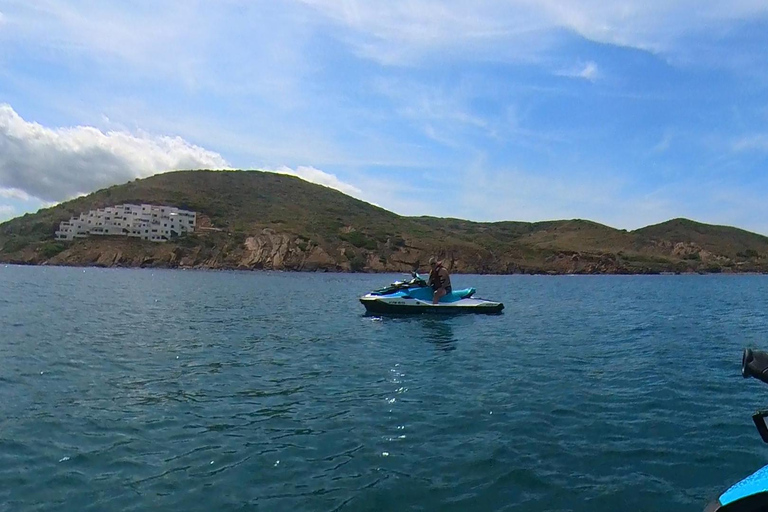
751	493
415	296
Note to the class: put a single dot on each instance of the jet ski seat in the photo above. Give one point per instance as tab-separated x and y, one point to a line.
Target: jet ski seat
464	293
455	295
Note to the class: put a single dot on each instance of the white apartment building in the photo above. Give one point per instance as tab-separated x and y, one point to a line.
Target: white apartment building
146	221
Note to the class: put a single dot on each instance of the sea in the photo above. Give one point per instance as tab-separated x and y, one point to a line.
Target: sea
141	389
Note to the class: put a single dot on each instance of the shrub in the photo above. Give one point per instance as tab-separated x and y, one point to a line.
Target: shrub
749	253
357	263
188	241
359	240
15	244
396	241
239	237
51	249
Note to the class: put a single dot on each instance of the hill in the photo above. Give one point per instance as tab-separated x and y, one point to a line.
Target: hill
259	220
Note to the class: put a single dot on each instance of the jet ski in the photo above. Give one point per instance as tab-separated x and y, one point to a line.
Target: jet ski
414	296
751	493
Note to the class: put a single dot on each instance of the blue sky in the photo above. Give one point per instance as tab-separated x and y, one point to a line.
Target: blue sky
626	113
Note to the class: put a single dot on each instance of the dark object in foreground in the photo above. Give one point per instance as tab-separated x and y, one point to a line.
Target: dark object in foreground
751	493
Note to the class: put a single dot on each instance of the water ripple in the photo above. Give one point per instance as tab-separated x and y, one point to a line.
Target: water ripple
233	391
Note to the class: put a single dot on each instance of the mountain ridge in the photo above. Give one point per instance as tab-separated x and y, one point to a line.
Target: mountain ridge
264	220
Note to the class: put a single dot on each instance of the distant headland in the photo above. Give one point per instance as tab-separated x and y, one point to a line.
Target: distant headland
258	220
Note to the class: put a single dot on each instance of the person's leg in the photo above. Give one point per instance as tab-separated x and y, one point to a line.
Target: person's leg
438	294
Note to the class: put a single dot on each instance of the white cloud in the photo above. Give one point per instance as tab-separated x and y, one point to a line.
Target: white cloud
713	201
403	197
442	114
589	72
758	142
105	28
604	196
497	194
401	31
653	25
319	177
14	193
178	42
586	71
57	164
184	40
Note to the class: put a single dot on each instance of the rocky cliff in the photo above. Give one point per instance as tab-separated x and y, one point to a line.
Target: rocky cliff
272	250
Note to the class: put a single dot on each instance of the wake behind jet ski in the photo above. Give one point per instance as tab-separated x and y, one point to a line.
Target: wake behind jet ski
751	493
414	296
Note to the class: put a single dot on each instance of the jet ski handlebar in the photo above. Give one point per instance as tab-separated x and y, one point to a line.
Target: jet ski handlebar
416	276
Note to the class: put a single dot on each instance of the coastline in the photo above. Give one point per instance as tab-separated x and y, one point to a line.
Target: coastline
6	263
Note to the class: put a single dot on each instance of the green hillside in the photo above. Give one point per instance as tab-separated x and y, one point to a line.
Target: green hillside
724	240
252	219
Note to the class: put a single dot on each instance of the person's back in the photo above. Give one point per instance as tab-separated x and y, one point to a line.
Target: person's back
445	277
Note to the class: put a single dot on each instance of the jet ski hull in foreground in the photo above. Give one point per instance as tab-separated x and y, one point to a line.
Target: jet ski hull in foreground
751	493
415	297
748	495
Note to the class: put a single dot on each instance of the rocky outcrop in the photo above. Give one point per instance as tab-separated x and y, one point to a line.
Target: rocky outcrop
270	249
280	251
686	249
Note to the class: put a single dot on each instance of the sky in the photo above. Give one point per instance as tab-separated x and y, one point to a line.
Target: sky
625	113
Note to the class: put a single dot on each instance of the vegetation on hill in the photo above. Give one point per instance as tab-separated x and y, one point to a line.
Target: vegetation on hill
253	220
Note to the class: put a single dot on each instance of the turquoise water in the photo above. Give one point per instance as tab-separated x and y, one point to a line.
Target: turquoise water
185	390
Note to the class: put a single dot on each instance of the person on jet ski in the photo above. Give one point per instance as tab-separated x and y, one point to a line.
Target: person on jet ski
439	280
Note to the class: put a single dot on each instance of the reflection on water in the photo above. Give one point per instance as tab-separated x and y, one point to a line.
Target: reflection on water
439	332
435	329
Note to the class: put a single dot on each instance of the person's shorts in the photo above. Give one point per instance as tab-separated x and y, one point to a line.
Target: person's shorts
448	289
